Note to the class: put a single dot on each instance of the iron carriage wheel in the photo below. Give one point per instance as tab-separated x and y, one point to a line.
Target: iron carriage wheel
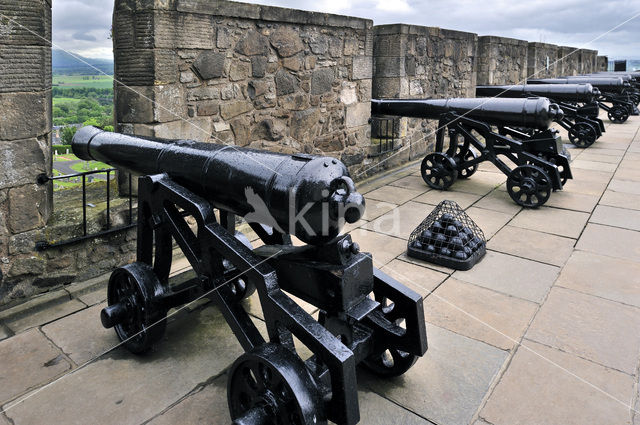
529	185
465	171
583	135
143	323
391	362
439	170
618	114
270	385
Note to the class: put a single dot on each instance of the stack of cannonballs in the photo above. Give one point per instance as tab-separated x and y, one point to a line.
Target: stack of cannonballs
448	237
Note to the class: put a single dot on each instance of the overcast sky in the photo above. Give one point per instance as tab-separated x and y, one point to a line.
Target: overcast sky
83	25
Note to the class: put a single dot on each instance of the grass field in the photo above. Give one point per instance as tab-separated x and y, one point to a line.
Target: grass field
59	100
95	81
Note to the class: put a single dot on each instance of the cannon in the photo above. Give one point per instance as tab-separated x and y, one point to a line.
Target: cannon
190	193
542	165
613	90
583	127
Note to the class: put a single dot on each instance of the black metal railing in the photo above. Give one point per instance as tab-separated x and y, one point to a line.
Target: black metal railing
44	179
383	135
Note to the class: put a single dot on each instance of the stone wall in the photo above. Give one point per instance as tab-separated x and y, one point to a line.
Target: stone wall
501	60
602	63
541	60
244	74
589	61
25	130
569	61
422	62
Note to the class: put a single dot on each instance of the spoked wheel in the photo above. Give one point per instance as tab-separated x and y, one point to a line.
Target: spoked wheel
241	288
470	155
583	135
271	386
439	170
618	114
391	362
563	178
132	310
529	186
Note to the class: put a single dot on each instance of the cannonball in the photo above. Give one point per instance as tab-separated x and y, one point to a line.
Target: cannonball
467	250
456	243
447	219
417	244
464	237
460	255
437	227
451	230
458	224
430	248
426	234
440	239
445	251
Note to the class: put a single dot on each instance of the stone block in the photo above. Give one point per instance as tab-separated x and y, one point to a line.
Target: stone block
258	66
285	83
169	103
134	105
20	162
24	115
230	110
239	70
303	122
358	114
195	129
322	80
210	65
286	41
253	44
208	108
29	208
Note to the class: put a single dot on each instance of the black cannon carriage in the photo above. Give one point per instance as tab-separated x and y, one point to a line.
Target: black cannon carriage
541	166
613	90
582	126
366	317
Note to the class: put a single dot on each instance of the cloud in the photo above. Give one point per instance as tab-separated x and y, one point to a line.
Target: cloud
562	22
83	36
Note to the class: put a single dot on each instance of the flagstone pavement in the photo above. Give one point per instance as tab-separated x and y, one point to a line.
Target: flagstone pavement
544	330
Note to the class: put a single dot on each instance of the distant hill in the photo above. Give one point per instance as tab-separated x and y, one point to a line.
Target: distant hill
64	63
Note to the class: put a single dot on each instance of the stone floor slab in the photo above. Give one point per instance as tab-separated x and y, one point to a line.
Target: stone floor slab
593	165
28	361
616	217
498	200
479	313
401	221
108	391
511	275
448	384
535	391
375	209
537	246
382	247
411	182
610	241
489	221
480	183
434	197
589	327
612	278
620	200
552	220
394	195
81	335
47	315
624	186
573	201
421	279
595	157
627	173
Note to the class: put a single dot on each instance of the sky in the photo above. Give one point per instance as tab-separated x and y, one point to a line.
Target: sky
83	26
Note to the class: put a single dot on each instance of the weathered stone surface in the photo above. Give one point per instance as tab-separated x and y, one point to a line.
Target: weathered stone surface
230	110
525	243
170	103
322	80
240	127
536	389
179	365
286	41
25	115
594	333
28	208
358	114
467	366
134	105
29	360
555	221
208	108
258	66
20	162
383	248
253	44
210	65
285	83
302	122
239	71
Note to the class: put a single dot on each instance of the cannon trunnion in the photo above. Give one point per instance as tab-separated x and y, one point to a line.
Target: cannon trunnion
581	122
189	193
465	137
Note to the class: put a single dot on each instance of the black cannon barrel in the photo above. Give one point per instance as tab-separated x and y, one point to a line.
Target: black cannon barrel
533	112
308	196
627	78
633	74
556	92
611	84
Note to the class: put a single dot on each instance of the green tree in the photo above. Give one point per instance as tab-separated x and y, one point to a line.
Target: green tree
91	121
108	128
67	134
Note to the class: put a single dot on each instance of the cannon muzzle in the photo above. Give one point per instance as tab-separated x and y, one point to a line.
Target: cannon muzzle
308	196
531	113
555	92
